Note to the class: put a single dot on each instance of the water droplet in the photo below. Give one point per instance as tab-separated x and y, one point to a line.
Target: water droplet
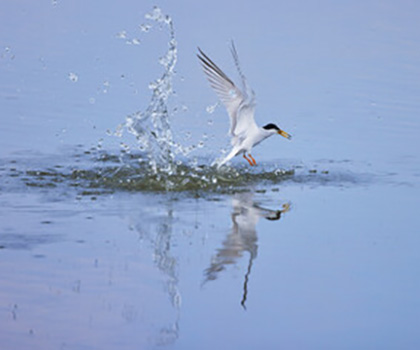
200	144
156	15
106	86
73	77
210	122
125	147
210	109
122	35
145	27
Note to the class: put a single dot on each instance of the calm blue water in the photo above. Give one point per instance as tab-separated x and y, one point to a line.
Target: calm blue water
316	248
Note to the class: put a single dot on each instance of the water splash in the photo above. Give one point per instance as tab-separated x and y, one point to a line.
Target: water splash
152	127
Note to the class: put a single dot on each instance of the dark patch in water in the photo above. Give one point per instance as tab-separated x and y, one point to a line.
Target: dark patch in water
20	241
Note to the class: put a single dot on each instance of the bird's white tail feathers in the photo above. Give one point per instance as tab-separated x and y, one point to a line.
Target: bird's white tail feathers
227	158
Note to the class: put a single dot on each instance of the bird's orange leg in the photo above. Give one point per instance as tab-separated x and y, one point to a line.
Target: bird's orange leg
249	160
252	159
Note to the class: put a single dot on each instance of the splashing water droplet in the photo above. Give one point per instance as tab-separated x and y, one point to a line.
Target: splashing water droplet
145	27
106	85
73	77
118	131
210	109
122	35
125	147
156	15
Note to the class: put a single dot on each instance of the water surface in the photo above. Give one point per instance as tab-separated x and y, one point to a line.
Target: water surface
117	232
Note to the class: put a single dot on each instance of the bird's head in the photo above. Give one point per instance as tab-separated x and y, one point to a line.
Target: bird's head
274	129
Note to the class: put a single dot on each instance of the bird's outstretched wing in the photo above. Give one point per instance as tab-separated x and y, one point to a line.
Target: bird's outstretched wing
248	92
235	101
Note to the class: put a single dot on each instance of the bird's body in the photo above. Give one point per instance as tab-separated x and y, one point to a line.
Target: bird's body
244	143
240	105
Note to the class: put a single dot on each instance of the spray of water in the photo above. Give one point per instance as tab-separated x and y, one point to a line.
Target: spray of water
152	127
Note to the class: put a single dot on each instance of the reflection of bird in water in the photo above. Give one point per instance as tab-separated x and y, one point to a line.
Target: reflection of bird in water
240	105
243	237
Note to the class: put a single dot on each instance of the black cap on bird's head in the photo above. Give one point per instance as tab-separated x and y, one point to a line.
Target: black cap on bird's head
275	128
271	126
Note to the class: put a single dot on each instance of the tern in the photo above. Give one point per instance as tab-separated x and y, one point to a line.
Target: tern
240	105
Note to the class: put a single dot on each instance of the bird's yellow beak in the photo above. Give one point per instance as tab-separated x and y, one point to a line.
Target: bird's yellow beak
284	134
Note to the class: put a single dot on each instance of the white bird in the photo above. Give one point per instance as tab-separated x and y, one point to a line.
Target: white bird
240	105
